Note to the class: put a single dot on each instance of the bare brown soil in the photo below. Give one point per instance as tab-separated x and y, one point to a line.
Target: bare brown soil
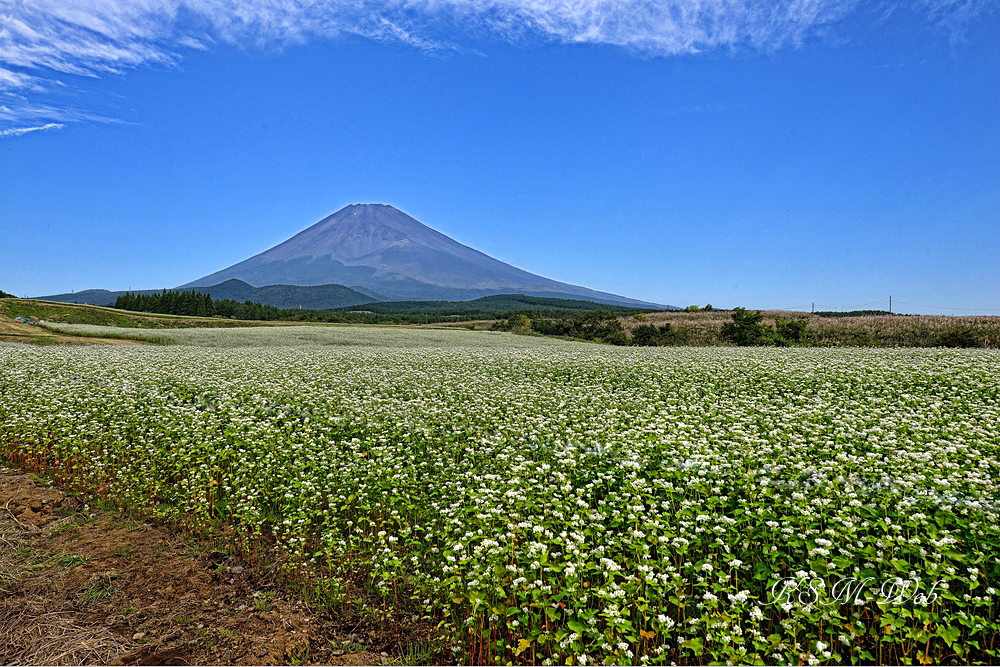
85	586
19	332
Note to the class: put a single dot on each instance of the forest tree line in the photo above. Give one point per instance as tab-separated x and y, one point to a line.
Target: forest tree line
196	304
192	303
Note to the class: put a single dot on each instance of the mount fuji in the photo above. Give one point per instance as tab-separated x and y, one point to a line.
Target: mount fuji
382	252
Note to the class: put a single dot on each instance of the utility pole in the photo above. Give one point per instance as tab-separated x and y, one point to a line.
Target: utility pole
890	304
814	308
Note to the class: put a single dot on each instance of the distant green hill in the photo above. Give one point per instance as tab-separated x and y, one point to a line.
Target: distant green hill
315	297
493	306
4	295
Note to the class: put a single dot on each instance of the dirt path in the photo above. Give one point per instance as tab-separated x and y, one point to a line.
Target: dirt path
84	586
12	331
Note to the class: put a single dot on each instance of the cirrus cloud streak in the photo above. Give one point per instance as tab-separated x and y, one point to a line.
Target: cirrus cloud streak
41	39
18	131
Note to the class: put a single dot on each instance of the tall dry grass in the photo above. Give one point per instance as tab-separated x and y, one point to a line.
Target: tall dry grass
868	330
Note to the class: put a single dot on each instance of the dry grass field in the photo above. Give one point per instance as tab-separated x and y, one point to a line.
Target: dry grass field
870	330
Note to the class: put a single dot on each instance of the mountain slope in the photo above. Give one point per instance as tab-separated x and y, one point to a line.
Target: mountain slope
378	249
91	297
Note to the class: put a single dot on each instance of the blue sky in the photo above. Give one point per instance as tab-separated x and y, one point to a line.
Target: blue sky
764	154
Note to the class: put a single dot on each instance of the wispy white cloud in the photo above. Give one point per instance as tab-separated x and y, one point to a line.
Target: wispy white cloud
93	37
12	80
18	131
21	110
670	27
955	15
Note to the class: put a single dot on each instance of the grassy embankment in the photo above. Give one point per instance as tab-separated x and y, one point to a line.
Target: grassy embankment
40	313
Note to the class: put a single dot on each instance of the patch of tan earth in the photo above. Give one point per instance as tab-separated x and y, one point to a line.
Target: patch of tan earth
12	331
82	586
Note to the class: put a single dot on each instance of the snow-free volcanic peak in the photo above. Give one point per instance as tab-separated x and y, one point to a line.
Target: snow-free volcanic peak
378	249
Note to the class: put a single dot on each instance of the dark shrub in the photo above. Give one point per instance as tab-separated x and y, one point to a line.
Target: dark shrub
646	335
959	337
614	338
791	331
672	336
745	329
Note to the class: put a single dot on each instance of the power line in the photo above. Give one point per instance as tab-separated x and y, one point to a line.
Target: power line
824	305
871	303
918	305
884	300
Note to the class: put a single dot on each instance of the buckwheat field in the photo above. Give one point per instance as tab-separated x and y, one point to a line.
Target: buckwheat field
552	502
